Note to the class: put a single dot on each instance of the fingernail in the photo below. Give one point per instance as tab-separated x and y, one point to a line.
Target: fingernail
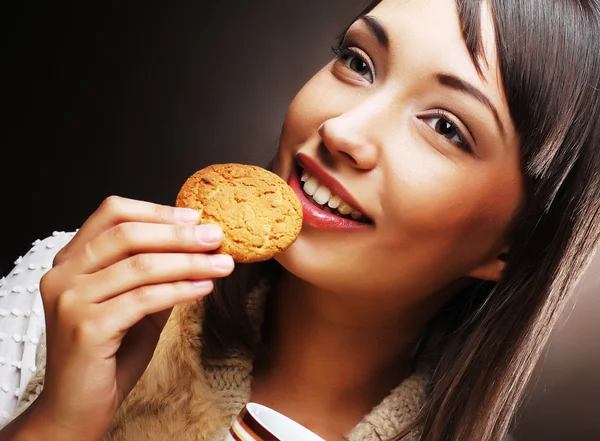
202	284
221	261
186	215
209	233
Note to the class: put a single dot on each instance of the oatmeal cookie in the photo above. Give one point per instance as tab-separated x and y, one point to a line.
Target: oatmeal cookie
259	213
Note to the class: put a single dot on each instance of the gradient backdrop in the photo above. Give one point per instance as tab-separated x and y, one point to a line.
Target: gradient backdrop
120	98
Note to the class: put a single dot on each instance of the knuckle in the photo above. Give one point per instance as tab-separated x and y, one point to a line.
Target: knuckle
162	214
113	205
59	257
142	294
87	329
65	303
121	233
68	312
89	252
50	287
194	262
46	283
181	234
178	287
46	291
142	263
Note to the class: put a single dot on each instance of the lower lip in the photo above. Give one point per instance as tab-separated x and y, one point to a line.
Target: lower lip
315	217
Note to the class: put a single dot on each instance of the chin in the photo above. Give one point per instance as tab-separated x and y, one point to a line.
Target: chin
299	260
307	261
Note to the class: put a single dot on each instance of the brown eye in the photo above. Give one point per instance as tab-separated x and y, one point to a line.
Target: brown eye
358	65
448	130
354	61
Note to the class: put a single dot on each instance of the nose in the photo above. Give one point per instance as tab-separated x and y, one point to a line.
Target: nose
350	138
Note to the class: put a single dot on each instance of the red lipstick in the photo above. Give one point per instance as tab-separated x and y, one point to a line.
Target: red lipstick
315	216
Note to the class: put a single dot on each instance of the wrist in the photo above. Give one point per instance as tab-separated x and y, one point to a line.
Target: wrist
36	423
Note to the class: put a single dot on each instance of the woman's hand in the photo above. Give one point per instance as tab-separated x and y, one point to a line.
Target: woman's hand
106	301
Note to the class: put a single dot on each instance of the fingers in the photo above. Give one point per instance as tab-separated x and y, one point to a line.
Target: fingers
124	311
115	210
150	269
130	238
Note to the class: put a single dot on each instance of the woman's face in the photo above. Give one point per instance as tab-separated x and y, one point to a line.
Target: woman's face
405	131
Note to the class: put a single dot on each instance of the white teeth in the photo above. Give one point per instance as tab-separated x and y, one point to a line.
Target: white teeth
334	202
311	185
322	195
344	208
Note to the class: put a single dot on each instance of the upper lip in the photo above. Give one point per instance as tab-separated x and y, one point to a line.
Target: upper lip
337	188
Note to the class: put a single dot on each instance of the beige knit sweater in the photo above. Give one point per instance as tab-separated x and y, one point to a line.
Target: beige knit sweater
184	396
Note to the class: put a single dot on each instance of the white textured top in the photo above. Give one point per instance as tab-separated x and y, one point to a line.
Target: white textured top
22	320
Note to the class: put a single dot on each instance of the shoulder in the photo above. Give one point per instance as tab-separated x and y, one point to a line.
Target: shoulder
25	277
38	260
22	320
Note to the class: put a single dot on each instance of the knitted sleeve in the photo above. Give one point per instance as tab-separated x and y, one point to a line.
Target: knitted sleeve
22	348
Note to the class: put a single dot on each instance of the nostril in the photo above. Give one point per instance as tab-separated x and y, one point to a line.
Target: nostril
347	156
325	155
330	156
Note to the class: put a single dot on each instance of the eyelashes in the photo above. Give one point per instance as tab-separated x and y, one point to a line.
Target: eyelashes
354	60
443	125
448	130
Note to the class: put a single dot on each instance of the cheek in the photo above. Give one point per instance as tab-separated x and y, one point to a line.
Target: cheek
456	214
439	223
314	104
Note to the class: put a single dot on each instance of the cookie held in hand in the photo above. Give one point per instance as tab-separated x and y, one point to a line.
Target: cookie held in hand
259	213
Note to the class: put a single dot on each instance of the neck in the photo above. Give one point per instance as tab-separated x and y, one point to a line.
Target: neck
331	356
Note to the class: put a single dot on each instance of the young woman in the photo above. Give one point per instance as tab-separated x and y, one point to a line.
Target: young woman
448	163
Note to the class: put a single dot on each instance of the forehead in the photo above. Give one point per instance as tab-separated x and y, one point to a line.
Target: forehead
434	27
428	35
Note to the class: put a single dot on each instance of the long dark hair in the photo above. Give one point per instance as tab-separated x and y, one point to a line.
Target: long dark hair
486	341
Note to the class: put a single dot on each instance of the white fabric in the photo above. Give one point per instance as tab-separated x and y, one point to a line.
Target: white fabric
22	320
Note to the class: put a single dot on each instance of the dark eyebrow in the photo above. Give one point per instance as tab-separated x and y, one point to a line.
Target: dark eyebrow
377	29
458	84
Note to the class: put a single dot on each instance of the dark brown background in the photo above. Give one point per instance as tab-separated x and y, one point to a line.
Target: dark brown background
130	99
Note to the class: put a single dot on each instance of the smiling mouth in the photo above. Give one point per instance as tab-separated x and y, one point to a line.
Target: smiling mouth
326	200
